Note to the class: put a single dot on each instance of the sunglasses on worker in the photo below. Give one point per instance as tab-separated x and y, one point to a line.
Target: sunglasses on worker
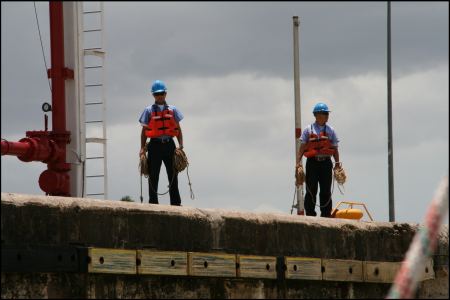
159	94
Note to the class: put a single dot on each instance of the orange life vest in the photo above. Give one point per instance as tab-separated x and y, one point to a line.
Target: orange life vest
162	123
319	145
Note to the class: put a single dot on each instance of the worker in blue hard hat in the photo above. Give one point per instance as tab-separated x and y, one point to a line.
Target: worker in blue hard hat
161	122
319	143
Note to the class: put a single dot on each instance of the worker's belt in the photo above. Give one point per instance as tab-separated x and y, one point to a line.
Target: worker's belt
160	141
321	158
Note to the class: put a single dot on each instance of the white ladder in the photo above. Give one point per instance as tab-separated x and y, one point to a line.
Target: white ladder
95	101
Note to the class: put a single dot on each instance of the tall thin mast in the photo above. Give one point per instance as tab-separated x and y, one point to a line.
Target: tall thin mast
389	107
298	126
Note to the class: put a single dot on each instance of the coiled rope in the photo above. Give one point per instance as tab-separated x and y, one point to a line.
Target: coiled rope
143	169
422	246
341	177
338	175
180	162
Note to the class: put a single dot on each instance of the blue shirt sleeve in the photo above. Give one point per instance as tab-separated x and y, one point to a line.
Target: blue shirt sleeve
305	136
144	116
334	139
178	115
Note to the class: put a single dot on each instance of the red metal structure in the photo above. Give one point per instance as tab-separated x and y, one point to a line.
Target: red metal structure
50	146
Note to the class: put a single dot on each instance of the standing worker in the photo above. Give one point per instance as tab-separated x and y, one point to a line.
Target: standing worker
160	122
318	143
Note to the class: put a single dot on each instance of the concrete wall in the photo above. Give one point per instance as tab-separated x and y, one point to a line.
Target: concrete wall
56	221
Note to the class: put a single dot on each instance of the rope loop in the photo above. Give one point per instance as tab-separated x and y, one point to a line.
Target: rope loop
180	162
339	177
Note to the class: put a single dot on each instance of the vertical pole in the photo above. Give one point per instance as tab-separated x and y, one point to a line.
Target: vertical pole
74	59
298	128
389	98
105	165
82	97
57	70
56	179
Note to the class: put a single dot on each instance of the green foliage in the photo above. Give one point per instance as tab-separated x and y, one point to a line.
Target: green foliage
126	199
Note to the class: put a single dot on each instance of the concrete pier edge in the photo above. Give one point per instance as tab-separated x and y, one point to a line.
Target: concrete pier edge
59	221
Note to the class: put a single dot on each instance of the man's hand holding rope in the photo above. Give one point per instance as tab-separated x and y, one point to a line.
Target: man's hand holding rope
299	175
339	173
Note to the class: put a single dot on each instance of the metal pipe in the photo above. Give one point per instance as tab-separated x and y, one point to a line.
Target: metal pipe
33	149
298	126
50	147
15	148
56	179
57	72
389	108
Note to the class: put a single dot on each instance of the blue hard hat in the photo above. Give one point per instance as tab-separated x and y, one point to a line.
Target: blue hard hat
321	107
158	86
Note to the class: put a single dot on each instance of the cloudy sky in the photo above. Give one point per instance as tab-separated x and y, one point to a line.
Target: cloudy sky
229	69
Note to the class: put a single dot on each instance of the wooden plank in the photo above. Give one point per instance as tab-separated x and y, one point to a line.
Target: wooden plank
342	270
308	268
162	262
252	266
40	259
375	271
428	270
115	261
211	264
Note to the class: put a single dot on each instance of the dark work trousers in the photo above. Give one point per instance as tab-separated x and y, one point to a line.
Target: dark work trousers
318	172
159	152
